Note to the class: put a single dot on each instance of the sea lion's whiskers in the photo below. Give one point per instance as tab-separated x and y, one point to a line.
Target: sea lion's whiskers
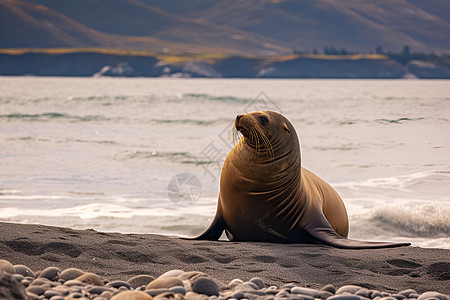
258	139
255	138
235	134
268	146
261	139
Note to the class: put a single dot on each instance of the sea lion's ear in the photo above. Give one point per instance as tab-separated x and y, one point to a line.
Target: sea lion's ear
285	127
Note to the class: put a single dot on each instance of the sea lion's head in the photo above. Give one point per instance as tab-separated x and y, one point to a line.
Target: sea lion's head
267	132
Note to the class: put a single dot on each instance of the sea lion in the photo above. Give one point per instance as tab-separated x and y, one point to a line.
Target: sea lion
267	196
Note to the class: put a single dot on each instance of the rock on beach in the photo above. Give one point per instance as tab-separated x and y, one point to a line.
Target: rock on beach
72	283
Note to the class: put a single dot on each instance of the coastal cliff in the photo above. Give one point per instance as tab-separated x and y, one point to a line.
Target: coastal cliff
97	63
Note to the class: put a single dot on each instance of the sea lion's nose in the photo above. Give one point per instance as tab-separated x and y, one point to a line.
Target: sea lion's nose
238	117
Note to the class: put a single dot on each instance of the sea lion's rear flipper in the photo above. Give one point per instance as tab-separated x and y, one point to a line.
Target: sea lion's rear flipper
321	230
214	230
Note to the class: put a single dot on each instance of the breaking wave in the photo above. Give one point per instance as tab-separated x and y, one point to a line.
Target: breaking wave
431	221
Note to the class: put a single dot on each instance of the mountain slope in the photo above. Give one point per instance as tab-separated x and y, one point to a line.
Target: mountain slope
353	24
128	24
240	26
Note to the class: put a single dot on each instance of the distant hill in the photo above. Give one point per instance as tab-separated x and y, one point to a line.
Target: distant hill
107	62
262	27
124	24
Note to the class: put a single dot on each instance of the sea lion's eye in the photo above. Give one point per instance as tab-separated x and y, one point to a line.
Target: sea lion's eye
263	120
285	127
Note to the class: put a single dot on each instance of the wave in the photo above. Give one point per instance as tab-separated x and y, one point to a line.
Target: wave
379	121
179	157
45	117
107	216
154	154
403	183
428	220
397	121
61	141
214	98
191	121
53	116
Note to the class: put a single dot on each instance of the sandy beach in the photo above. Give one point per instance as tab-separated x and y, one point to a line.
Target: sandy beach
121	256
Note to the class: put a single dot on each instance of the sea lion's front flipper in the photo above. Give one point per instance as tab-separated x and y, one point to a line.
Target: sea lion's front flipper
214	230
321	230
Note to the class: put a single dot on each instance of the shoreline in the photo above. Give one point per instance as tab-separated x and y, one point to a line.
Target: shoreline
121	256
122	63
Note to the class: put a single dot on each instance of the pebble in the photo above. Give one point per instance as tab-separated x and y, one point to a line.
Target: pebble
32	296
172	273
165	282
234	283
344	297
329	288
50	273
140	280
131	295
18	277
11	288
428	295
23	270
118	283
288	286
348	289
49	293
106	294
166	295
363	293
38	290
325	294
6	266
282	294
408	292
205	286
25	282
305	291
99	290
54	284
271	290
154	292
252	285
376	294
73	282
178	290
42	281
90	278
195	296
258	281
70	274
192	275
75	295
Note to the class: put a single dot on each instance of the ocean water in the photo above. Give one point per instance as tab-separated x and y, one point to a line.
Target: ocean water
143	155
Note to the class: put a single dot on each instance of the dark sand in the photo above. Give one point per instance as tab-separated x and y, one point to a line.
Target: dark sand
120	256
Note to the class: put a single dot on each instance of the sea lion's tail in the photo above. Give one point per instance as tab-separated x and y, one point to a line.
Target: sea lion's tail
321	230
214	230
